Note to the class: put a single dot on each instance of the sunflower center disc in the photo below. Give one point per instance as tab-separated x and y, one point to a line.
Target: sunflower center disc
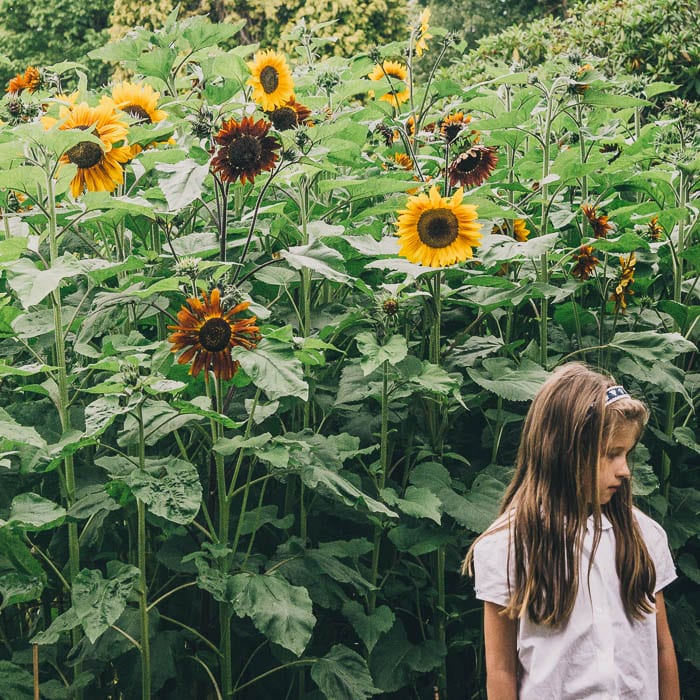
269	79
437	228
85	154
283	118
244	152
470	162
139	113
215	334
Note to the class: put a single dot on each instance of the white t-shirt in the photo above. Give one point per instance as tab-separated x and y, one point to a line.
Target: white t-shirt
599	654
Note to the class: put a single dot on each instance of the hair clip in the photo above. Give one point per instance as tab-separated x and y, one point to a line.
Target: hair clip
615	393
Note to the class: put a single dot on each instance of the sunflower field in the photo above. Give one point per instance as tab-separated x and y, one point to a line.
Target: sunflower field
269	326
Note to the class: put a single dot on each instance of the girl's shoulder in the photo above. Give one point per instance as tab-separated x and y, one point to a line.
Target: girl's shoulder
497	535
650	529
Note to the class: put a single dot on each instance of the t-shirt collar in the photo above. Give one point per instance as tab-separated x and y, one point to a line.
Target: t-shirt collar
605	524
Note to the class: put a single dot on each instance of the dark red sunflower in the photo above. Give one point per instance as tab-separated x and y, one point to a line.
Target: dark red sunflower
473	167
206	334
585	263
245	150
599	223
290	115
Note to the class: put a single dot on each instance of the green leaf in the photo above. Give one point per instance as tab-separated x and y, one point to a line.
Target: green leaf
19	588
318	257
200	32
281	611
15	682
651	347
395	660
374	355
342	674
175	495
369	628
685	436
31	512
98	602
273	368
416	502
32	284
158	61
659	88
18	555
184	184
501	376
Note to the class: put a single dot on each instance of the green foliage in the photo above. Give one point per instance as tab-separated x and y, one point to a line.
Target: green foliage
50	33
298	529
647	41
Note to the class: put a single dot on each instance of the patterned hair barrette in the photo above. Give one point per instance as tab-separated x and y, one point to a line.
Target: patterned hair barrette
615	393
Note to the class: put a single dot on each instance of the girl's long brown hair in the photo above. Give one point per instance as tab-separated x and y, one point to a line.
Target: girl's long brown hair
555	489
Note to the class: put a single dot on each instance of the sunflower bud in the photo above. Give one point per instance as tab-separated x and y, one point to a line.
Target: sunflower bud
187	267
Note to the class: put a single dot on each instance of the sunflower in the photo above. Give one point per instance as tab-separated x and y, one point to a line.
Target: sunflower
520	230
585	263
290	115
453	125
622	289
271	80
206	334
599	223
473	167
403	161
99	168
139	101
29	81
394	71
438	231
245	150
422	32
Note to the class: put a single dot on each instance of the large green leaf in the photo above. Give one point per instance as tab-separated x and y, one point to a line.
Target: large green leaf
184	182
651	347
31	284
416	502
374	354
98	602
281	611
274	369
369	628
33	513
501	376
318	257
169	487
15	682
342	674
19	588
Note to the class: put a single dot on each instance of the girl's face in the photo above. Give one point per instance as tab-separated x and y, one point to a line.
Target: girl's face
613	462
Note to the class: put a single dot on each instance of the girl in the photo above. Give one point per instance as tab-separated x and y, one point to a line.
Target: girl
571	573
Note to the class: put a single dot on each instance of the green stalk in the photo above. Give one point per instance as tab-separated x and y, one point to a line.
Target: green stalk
544	266
63	406
384	467
143	588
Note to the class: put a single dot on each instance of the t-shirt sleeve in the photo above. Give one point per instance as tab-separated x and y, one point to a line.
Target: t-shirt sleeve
657	543
491	568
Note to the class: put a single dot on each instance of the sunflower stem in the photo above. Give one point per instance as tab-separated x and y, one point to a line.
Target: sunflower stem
63	405
143	587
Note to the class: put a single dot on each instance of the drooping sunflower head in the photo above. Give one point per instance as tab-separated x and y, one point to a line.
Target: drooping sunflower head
403	161
245	150
599	222
518	227
206	334
655	229
421	32
474	166
585	263
28	81
271	80
99	168
623	289
453	125
396	73
290	115
437	231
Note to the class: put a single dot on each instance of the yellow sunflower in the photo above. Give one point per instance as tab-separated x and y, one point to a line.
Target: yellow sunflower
271	80
623	288
206	334
396	73
140	102
520	230
99	168
422	32
437	231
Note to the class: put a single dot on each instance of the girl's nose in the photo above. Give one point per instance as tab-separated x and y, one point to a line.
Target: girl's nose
623	470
